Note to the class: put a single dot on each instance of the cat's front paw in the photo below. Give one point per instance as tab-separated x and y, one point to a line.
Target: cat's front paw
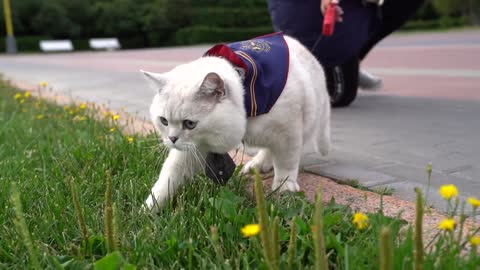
151	205
262	164
287	185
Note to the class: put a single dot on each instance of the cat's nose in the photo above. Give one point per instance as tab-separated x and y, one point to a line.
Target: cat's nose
173	139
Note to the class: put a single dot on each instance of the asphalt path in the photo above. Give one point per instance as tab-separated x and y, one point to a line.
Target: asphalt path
427	111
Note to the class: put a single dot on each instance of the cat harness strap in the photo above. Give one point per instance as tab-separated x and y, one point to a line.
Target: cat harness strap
265	60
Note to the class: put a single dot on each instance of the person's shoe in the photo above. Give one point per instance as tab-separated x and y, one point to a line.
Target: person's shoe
367	81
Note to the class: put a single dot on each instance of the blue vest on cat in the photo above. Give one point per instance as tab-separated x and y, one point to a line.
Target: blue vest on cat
265	60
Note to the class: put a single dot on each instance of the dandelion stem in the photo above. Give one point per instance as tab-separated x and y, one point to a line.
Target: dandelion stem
292	242
386	250
419	249
264	222
22	228
429	173
276	239
78	210
109	215
317	230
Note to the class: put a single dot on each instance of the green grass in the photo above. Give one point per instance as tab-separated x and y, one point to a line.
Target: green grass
43	156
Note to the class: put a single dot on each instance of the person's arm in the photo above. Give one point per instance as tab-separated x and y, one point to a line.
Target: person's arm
324	5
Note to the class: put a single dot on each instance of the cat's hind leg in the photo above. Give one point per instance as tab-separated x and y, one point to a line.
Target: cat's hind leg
286	157
261	161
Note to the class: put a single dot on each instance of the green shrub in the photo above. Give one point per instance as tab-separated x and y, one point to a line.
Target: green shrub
80	44
231	17
132	42
206	34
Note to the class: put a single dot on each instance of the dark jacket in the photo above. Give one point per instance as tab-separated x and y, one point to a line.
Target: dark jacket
303	20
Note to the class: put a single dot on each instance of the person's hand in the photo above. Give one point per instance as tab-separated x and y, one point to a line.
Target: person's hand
324	6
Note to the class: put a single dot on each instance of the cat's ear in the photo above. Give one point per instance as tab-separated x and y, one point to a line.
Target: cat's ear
212	87
155	80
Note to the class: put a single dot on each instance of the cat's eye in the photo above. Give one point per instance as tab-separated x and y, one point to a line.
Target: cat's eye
164	121
189	124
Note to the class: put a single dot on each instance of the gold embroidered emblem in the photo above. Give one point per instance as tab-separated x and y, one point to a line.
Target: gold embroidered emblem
258	45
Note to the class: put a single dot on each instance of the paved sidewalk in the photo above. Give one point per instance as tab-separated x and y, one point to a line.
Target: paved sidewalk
427	112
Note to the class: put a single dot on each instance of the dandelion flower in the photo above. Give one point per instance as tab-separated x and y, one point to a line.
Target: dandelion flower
448	191
79	118
28	94
18	96
474	202
40	116
250	230
447	224
360	220
83	106
475	240
130	139
113	129
115	117
43	84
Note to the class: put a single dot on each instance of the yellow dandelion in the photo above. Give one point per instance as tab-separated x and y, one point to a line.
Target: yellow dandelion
475	240
447	224
250	230
448	191
28	94
113	129
79	118
83	106
43	84
474	202
360	220
130	139
18	96
115	117
40	116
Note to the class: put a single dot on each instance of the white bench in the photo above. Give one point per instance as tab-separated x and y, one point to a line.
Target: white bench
56	45
109	44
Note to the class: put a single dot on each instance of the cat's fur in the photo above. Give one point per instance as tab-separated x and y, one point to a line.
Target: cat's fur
209	91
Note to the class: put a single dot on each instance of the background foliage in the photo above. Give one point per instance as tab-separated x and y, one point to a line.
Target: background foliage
152	23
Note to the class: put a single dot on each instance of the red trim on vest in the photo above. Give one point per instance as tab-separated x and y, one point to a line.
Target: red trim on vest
222	50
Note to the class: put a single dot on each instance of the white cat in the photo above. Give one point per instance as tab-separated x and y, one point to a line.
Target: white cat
200	107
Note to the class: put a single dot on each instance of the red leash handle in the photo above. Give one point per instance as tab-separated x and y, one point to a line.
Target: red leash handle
330	19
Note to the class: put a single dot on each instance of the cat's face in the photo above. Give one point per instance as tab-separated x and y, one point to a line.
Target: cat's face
196	112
